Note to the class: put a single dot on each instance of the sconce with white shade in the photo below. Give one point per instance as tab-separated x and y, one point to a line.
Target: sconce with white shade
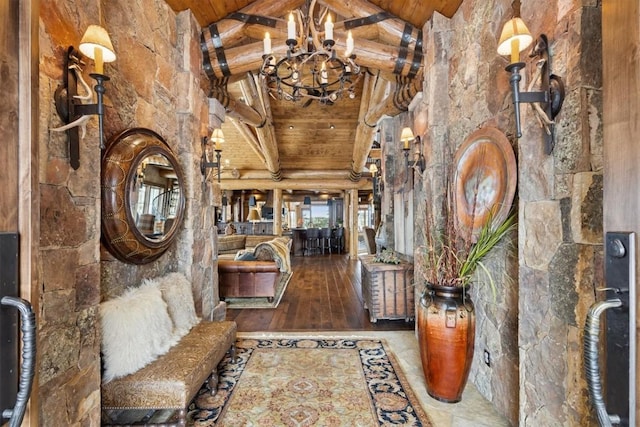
406	137
216	140
95	45
515	38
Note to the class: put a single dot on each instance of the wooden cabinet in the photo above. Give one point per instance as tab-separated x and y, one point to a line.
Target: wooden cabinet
387	289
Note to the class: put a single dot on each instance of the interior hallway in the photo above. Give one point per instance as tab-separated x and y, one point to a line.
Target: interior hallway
324	298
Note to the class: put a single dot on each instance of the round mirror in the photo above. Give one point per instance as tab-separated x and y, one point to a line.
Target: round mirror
142	196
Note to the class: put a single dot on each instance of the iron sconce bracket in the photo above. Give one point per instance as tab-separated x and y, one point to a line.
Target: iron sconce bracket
70	107
204	161
549	99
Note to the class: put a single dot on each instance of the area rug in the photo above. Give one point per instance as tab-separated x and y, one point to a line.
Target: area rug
309	382
252	302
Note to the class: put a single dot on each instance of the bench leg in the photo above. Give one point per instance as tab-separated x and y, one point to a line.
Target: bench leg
182	417
212	383
232	353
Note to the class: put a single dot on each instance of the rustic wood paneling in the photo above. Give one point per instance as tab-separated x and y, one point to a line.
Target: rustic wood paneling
9	116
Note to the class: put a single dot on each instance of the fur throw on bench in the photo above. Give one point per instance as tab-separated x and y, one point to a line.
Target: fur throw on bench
144	323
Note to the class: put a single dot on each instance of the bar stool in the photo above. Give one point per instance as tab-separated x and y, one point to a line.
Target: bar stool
313	240
326	239
337	239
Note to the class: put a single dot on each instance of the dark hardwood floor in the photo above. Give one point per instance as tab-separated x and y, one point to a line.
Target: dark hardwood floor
324	294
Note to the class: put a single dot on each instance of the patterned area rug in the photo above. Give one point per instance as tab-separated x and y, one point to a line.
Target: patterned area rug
262	302
309	382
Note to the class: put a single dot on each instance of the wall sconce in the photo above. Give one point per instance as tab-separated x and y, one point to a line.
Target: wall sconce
377	179
95	45
252	201
217	139
407	137
547	102
307	200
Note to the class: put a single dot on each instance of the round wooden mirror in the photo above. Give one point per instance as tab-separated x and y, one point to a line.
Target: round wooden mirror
142	196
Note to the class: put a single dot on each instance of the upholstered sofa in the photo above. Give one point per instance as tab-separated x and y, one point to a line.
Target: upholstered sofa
229	245
240	279
156	352
255	273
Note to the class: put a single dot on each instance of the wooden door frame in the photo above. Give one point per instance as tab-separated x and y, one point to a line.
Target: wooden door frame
28	187
621	125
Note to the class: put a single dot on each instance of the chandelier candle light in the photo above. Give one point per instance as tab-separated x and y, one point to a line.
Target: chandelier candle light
312	70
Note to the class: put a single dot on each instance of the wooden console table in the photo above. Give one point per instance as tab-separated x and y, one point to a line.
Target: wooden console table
387	289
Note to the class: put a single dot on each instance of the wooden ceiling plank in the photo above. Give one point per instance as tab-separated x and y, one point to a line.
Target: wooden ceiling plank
249	138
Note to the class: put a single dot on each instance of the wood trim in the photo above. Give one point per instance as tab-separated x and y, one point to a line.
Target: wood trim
28	182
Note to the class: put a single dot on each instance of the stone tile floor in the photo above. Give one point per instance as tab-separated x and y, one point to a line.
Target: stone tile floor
472	411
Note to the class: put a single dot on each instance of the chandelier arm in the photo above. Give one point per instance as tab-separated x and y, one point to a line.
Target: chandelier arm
303	29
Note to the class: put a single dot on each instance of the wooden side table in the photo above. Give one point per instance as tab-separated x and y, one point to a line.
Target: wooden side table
387	289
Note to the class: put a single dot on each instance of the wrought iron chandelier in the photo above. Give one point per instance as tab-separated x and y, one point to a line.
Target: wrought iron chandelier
312	70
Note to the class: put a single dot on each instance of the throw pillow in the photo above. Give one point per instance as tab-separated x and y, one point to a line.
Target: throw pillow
245	256
136	329
176	292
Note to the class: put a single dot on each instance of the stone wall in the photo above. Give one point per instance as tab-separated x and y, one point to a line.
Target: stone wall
561	254
155	83
544	278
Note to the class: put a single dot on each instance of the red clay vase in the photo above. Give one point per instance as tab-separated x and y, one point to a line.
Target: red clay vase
446	333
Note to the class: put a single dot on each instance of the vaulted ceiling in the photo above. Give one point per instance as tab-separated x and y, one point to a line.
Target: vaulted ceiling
278	143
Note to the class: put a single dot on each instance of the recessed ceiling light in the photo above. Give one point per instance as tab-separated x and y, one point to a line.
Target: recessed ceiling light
290	127
332	126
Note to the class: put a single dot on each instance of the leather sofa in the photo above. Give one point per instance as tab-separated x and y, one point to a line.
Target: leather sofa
229	245
240	279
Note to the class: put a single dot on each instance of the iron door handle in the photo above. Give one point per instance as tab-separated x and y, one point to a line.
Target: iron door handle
27	368
592	361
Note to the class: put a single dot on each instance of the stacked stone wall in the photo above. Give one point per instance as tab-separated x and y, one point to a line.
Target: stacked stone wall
545	274
154	83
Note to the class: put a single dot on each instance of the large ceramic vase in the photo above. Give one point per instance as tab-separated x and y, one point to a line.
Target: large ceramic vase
446	332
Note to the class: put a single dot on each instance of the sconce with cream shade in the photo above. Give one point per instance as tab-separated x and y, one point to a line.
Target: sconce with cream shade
406	137
515	38
253	217
216	140
96	45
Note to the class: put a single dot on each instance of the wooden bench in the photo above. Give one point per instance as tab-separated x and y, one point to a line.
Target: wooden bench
172	380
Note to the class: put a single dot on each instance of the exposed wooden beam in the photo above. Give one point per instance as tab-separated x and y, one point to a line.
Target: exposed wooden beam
371	54
292	174
249	138
231	31
297	184
234	108
267	135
